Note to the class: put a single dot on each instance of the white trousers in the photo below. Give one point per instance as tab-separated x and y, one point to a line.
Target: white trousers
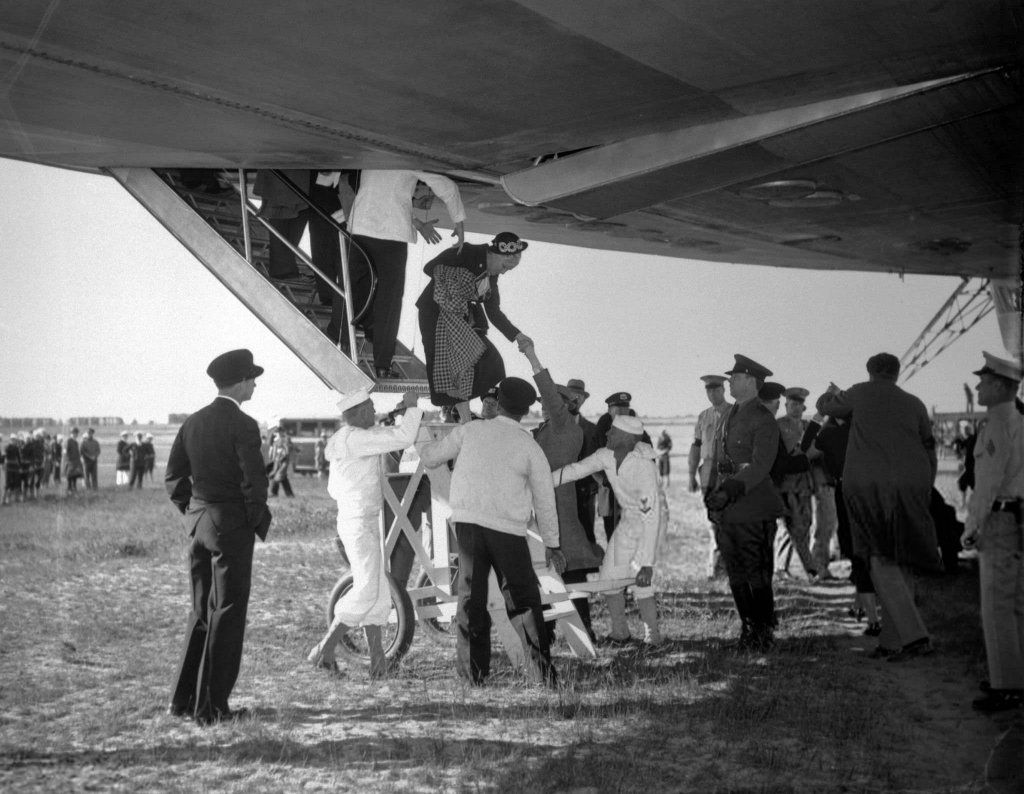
618	559
369	601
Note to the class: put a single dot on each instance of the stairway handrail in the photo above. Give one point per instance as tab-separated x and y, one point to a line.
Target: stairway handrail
290	184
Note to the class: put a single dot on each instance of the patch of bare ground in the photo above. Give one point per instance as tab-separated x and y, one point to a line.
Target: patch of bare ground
94	597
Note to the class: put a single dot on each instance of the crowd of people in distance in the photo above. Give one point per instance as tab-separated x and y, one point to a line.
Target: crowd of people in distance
32	461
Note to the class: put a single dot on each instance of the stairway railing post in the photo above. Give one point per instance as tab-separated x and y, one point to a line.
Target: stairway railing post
243	194
346	281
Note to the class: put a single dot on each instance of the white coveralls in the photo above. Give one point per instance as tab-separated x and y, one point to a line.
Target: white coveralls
356	477
644	520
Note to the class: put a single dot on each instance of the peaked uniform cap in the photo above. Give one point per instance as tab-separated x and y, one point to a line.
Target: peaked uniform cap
771	391
747	366
619	398
233	367
796	393
713	380
1001	366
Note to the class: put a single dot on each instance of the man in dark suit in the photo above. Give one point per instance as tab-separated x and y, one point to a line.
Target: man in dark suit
743	503
215	477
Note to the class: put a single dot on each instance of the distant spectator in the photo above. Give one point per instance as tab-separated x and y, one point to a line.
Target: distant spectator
148	455
123	460
664	450
138	461
73	470
280	461
12	469
319	455
47	459
90	449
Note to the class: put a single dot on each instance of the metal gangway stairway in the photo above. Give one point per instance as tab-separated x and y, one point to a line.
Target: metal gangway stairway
225	232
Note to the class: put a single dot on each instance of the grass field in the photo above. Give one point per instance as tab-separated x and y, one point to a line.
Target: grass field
94	598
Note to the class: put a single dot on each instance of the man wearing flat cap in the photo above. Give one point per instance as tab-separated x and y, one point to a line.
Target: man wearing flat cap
743	503
795	487
501	478
216	478
995	525
701	456
561	438
356	473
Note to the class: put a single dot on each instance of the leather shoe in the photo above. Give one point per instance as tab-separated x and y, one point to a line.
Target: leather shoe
921	647
223	715
174	710
999	700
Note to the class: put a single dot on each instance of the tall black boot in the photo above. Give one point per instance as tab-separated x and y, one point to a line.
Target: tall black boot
763	632
743	594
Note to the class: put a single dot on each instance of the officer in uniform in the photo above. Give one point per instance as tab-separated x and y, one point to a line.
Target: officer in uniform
996	524
216	478
743	504
701	452
795	488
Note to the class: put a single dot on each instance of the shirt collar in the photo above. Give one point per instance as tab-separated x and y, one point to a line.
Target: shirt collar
513	422
229	399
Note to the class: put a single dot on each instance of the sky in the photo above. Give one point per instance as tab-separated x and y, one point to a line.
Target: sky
104	313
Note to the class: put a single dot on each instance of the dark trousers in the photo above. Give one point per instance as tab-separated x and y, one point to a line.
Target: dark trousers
388	257
281	482
282	261
480	550
91	480
860	574
138	472
324	246
747	552
220	568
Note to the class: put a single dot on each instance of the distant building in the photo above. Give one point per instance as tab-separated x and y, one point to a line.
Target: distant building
26	422
95	421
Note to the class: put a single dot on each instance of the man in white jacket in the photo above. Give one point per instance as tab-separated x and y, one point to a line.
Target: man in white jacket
355	479
501	477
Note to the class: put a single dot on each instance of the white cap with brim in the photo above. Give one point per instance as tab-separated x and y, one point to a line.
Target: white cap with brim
628	424
1001	366
352	399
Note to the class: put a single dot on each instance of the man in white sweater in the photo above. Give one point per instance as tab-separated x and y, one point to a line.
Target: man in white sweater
501	477
355	483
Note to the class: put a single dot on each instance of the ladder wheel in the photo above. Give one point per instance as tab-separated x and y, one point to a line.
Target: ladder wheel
397	633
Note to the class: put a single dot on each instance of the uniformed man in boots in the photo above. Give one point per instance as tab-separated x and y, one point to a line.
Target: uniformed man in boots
743	504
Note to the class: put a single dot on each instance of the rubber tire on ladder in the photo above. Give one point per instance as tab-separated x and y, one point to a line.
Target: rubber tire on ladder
397	634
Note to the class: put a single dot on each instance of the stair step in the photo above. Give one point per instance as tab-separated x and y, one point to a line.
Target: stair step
401	386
